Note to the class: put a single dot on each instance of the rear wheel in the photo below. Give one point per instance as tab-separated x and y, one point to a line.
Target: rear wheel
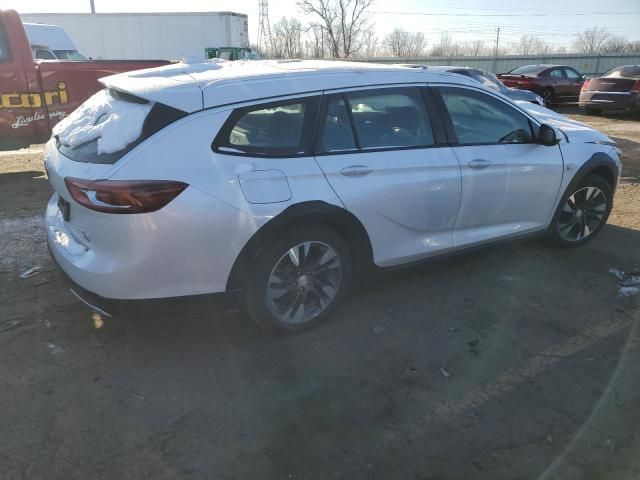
547	97
298	279
582	212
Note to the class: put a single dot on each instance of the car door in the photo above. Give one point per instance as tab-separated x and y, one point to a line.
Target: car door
509	182
575	82
390	165
560	84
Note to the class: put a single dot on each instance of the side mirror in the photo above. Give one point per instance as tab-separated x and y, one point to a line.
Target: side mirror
547	136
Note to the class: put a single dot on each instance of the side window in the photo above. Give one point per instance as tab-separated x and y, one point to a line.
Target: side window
557	74
337	133
4	45
43	54
391	117
479	118
572	75
274	129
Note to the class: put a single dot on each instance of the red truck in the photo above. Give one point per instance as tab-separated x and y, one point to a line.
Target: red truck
36	94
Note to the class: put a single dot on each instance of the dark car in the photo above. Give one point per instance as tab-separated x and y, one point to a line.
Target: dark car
617	89
554	83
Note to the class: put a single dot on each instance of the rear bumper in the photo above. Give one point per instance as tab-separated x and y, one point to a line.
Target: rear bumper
221	302
610	100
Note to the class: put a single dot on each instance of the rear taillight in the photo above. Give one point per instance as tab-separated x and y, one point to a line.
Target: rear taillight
585	85
636	87
123	196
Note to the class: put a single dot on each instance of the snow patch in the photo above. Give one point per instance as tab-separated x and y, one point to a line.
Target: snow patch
112	122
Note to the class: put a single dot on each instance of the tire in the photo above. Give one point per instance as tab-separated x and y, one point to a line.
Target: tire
276	284
582	212
547	97
592	111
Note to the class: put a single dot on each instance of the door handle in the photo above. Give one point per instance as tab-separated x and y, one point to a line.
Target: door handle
356	171
479	164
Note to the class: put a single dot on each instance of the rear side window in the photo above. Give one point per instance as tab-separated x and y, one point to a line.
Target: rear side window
275	129
390	117
479	118
557	73
337	134
4	45
108	125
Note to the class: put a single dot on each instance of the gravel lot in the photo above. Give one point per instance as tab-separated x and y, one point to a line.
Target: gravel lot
515	362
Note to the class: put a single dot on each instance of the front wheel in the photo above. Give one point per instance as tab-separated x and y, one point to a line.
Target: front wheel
583	212
298	279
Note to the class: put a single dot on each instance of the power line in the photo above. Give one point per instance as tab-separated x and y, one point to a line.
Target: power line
431	14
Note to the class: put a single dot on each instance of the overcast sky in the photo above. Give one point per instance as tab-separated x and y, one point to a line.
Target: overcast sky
554	21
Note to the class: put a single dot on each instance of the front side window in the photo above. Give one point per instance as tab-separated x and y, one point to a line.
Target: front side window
479	118
392	117
269	129
572	74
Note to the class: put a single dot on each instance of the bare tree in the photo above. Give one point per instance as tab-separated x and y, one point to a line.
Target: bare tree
634	46
592	41
446	47
475	48
344	22
616	44
369	44
286	38
401	43
532	45
314	45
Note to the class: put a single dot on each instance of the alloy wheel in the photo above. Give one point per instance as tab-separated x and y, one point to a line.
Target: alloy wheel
304	282
582	214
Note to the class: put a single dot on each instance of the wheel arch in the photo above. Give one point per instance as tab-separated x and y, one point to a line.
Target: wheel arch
599	164
316	212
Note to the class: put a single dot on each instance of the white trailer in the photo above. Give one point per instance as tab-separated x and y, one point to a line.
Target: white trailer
169	36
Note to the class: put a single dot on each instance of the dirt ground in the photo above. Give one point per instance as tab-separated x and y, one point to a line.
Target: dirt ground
515	362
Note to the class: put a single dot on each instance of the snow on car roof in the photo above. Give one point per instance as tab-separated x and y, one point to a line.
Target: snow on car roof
193	87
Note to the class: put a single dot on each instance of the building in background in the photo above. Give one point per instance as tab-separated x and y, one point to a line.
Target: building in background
167	36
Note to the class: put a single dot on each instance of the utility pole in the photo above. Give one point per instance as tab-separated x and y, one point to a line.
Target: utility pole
264	29
495	51
93	6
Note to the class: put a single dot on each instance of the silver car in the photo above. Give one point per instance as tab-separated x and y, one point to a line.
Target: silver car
489	80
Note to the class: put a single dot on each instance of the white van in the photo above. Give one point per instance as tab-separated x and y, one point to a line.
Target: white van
51	42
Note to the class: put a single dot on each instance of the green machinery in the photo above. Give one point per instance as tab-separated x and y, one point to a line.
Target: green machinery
231	53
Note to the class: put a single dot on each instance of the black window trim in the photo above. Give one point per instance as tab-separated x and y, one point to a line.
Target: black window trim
439	137
304	149
448	123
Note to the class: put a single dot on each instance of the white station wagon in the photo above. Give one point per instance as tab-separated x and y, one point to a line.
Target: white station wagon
280	181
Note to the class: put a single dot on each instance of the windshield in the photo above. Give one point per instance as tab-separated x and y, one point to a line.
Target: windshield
528	70
630	71
69	55
488	80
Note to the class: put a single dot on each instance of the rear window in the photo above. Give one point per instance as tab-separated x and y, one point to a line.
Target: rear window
528	70
109	124
630	71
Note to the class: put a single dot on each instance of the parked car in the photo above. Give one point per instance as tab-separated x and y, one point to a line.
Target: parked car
554	83
617	89
36	94
280	181
488	79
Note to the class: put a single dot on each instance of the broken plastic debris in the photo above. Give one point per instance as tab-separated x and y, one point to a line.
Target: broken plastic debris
444	373
53	348
30	272
628	283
